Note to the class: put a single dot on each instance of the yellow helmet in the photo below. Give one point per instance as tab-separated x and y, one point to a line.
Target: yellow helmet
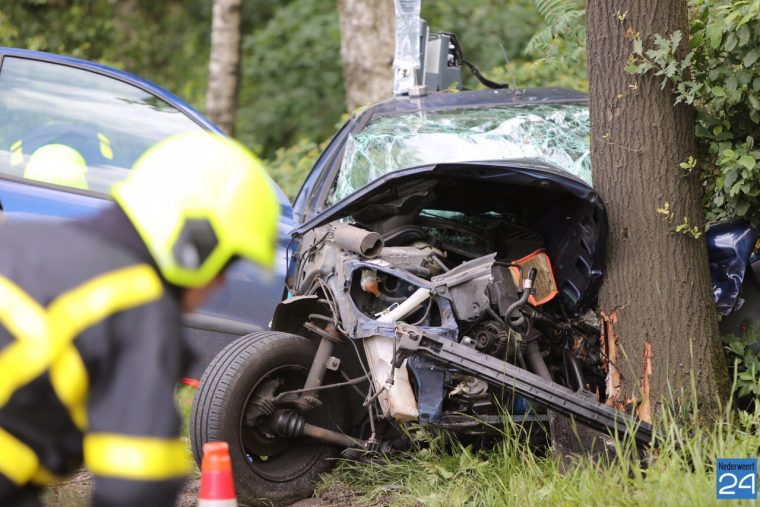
58	164
198	200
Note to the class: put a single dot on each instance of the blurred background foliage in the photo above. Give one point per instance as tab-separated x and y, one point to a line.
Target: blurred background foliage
291	94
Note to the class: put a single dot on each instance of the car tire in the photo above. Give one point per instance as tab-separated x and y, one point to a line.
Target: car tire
218	412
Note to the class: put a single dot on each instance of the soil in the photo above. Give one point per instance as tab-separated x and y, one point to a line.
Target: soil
75	492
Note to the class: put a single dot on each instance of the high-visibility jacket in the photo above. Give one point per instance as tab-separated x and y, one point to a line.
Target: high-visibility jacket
90	353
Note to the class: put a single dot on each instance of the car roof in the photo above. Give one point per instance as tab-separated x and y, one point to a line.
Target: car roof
477	98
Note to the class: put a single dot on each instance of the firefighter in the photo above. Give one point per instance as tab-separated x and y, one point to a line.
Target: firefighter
58	164
90	310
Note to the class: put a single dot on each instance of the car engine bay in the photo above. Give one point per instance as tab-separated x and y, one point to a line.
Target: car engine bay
469	256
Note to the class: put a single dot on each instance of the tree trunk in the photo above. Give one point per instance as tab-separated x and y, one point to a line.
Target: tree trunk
658	311
366	48
224	64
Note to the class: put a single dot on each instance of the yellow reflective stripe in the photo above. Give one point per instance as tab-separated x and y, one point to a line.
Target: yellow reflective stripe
17	461
17	154
20	363
69	378
45	339
21	315
136	458
20	464
43	477
76	310
17	157
106	151
105	146
86	305
25	358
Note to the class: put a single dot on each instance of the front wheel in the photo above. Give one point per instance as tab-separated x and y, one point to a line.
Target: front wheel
268	469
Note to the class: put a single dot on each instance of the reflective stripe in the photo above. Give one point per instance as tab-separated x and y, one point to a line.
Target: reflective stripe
26	321
43	477
17	154
81	308
17	461
105	146
21	315
20	464
45	339
70	381
136	458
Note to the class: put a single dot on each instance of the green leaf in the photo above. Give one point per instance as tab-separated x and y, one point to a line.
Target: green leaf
638	46
742	208
729	179
443	472
731	41
715	34
747	161
744	34
751	57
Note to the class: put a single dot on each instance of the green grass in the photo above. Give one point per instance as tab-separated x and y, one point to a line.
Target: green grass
184	400
679	472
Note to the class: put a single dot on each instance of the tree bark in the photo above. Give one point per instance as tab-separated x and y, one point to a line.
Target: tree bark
224	64
366	48
656	299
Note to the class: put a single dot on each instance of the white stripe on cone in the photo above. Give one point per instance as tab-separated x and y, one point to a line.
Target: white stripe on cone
218	503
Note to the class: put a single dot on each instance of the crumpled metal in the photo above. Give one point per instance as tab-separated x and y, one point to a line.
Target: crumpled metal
729	245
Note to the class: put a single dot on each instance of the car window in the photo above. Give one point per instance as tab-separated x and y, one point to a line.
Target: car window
554	133
73	127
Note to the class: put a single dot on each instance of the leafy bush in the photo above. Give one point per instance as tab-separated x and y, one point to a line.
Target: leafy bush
292	85
290	166
746	363
488	30
720	77
556	53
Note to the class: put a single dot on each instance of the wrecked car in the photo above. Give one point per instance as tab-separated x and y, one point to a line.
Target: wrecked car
448	256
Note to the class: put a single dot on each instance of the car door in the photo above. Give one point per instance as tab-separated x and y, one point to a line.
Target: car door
111	118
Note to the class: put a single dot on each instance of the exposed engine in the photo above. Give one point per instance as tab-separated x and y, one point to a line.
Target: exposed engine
466	262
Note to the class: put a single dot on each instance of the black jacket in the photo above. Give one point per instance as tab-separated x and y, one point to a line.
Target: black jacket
90	353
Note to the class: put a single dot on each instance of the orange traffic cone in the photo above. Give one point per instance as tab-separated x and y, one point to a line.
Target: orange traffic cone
217	488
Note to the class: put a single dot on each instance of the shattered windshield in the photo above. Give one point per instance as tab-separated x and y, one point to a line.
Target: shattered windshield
555	133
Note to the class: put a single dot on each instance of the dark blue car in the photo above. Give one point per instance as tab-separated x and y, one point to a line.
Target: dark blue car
111	117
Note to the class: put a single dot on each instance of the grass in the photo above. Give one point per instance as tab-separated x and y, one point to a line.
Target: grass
438	473
184	399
